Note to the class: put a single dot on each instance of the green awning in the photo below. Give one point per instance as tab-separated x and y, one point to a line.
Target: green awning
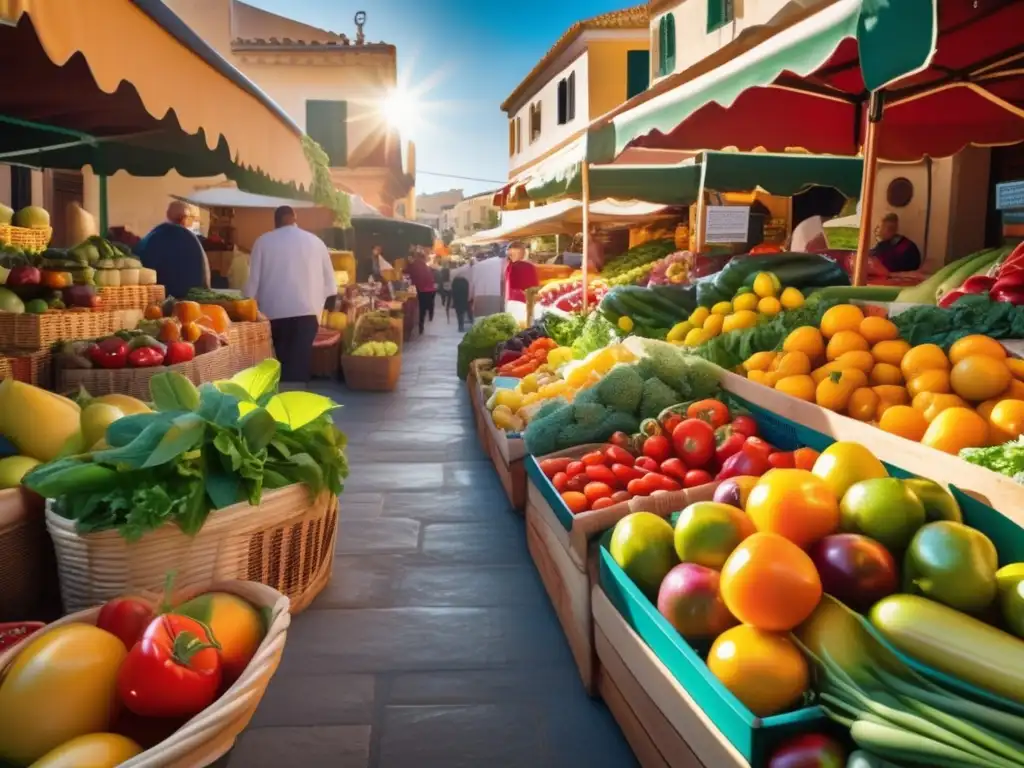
837	55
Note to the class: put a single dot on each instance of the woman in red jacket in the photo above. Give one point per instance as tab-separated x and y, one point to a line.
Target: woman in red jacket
520	275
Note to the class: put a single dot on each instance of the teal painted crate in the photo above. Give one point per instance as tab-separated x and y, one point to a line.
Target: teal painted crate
547	490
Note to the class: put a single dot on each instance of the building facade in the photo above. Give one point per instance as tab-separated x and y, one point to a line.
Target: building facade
595	66
470	215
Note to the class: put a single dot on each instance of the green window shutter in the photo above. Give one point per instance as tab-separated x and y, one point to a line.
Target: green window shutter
638	72
662	46
670	54
327	125
720	13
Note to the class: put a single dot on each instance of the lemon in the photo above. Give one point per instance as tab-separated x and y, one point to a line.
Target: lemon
807	339
679	331
769	305
14	468
695	338
96	417
745	301
1010	575
713	325
722	308
766	285
791	298
744	318
759	361
625	324
699	315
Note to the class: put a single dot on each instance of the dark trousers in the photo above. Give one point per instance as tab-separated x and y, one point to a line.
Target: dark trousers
293	345
426	300
464	314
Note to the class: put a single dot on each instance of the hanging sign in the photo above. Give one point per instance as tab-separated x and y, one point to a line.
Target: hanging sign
1010	196
727	224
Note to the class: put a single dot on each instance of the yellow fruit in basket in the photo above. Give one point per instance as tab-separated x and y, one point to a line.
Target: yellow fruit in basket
976	344
843	342
890	395
842	317
794	363
936	404
96	750
878	329
764	670
1006	418
885	373
835	390
699	315
744	318
1015	391
722	308
791	298
806	339
14	468
934	380
679	330
769	306
760	361
554	389
696	337
923	357
95	419
800	387
126	404
890	352
979	377
860	359
955	429
559	356
905	421
863	404
713	325
1016	366
758	377
745	301
766	284
528	384
819	374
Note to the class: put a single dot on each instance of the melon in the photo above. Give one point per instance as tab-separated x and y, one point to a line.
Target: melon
9	302
38	422
32	217
6	214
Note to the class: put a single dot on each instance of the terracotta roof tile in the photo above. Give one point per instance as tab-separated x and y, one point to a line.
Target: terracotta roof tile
636	17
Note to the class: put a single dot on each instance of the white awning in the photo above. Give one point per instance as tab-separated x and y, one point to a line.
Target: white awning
232	197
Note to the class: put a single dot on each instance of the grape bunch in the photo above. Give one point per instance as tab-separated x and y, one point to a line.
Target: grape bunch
633	276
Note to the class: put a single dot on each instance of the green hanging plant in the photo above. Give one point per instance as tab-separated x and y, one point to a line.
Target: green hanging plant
324	192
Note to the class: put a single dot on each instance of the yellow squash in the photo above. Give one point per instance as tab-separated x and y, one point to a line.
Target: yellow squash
96	750
38	422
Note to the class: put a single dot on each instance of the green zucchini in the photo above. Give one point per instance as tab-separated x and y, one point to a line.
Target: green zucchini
924	292
633	304
954	643
966	270
856	293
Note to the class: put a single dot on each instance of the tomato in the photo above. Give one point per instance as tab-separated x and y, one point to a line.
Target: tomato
671	423
696	477
592	458
560	481
808	750
173	671
804	458
694	442
577	483
595	491
637	487
624	473
551	467
743	463
745	425
714	412
655	481
618	455
620	496
782	460
604	501
621	439
657	447
674	468
126	618
647	464
763	670
769	582
599	473
795	504
576	501
728	443
575	468
758	448
62	684
844	463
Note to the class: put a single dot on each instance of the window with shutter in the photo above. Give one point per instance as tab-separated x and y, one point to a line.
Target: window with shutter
563	101
327	125
638	72
535	121
519	134
511	137
571	98
662	45
670	38
720	13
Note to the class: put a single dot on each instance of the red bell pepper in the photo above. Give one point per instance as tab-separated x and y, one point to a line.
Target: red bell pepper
173	671
978	284
109	353
179	352
714	412
728	443
145	357
1009	294
24	276
950	298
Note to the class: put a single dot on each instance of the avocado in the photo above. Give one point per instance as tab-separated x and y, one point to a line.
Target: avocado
36	307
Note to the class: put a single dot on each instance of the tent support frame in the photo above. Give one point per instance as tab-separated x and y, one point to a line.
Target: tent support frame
585	190
876	107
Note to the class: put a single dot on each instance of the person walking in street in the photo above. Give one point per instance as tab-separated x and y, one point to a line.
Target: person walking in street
462	294
291	277
174	251
422	277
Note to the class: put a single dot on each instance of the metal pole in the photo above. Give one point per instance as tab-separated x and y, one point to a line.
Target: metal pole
867	190
585	185
104	210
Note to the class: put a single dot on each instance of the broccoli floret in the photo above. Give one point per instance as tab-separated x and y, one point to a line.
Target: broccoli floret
657	397
588	414
617	421
541	437
645	368
549	407
588	395
580	434
667	363
621	389
701	379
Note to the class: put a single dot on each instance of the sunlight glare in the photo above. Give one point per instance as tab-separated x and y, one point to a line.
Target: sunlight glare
402	110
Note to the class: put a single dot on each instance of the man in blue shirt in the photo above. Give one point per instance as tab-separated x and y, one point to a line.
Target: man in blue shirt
173	250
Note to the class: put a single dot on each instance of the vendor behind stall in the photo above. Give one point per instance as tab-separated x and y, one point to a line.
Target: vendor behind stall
174	251
520	275
896	252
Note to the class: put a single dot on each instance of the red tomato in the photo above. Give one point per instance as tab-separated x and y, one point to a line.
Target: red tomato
673	467
647	464
657	447
804	458
551	467
659	482
755	446
173	671
728	443
595	491
127	618
560	481
714	412
575	501
743	463
604	501
696	477
599	473
745	425
593	458
621	439
694	441
638	487
618	455
782	460
575	468
577	483
624	474
671	423
620	496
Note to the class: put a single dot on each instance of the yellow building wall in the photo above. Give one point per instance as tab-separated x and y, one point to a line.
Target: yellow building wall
607	75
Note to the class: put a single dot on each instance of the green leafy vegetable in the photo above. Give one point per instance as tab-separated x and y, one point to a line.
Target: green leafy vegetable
597	333
482	337
1006	459
969	315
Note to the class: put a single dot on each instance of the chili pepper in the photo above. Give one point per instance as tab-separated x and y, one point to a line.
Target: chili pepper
109	353
179	352
145	357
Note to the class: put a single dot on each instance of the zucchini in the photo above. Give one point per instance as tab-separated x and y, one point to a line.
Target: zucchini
964	271
924	292
856	293
953	643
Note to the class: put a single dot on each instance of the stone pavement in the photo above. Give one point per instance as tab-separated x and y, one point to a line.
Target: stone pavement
434	645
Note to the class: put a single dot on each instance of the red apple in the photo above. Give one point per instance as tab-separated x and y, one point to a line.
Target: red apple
689	599
855	569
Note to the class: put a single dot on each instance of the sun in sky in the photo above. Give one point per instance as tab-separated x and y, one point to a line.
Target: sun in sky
403	111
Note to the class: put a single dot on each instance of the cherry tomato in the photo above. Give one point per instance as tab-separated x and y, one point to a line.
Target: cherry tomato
624	473
647	464
782	460
599	473
575	501
674	468
575	468
804	458
551	467
592	458
638	487
657	447
604	501
696	477
745	425
671	423
728	443
621	439
694	441
127	618
595	491
577	483
620	496
755	446
659	482
714	412
618	455
561	482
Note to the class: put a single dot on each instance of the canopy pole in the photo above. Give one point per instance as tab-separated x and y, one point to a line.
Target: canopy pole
867	190
104	209
585	189
700	220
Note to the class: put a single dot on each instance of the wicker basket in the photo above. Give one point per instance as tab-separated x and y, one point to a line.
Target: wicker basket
132	296
286	543
28	574
210	734
251	342
220	364
35	368
371	374
326	353
33	333
35	239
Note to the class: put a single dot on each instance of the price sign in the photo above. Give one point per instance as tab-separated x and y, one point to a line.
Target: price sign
727	224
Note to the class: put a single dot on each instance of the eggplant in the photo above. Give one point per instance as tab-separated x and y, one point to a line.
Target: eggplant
79	296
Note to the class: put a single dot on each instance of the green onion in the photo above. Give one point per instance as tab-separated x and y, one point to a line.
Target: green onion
898	744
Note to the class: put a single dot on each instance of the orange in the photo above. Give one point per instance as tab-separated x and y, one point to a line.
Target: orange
860	359
934	380
795	363
905	421
1008	417
979	377
843	342
769	582
1016	366
834	391
765	671
890	352
939	403
890	395
795	504
923	357
955	429
806	339
842	317
976	344
801	387
886	373
1013	392
876	329
863	404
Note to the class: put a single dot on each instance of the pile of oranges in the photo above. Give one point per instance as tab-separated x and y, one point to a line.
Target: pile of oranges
967	396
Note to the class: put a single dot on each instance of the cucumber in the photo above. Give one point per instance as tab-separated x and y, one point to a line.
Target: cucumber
964	271
924	293
856	293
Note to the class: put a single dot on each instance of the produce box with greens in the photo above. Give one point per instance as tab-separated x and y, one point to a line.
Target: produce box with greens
200	450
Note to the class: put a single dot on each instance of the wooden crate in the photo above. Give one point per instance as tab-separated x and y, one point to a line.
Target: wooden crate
507	456
371	374
652	709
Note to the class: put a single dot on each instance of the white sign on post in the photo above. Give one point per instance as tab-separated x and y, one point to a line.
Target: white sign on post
727	224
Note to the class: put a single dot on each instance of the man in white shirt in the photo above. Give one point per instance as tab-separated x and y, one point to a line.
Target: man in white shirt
291	277
488	281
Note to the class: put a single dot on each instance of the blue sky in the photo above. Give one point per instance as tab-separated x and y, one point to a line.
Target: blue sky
471	54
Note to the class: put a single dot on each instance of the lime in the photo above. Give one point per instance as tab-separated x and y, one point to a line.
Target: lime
96	417
14	468
643	545
952	564
883	509
939	503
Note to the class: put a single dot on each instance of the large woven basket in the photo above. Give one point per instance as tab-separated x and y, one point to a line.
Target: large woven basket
28	574
371	374
286	543
132	296
213	366
251	343
210	734
34	368
38	332
35	239
326	354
